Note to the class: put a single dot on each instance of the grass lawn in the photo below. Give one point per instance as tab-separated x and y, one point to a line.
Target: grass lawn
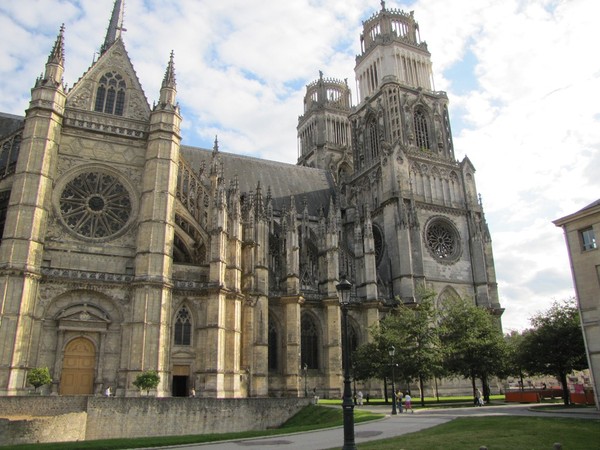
499	433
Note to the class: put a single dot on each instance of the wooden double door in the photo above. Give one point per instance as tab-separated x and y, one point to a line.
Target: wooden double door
79	367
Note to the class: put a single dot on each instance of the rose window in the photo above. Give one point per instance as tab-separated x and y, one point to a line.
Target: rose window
442	240
95	205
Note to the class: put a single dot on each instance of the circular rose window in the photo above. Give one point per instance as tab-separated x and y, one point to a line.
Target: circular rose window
442	240
95	205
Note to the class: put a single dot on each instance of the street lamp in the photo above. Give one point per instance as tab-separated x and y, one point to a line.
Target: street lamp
343	289
305	380
392	352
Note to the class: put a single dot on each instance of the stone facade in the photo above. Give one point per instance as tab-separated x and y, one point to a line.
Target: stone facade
124	251
581	230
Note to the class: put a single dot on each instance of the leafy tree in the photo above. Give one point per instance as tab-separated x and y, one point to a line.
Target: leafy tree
147	380
40	376
473	344
554	346
515	361
411	330
369	362
416	339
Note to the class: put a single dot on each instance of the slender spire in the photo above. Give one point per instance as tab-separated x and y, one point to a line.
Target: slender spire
169	79
168	89
55	65
115	26
57	55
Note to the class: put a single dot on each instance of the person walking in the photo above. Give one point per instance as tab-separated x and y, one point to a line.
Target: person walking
478	398
408	403
399	396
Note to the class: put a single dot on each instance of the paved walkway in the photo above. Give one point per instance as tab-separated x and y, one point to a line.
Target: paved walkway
389	427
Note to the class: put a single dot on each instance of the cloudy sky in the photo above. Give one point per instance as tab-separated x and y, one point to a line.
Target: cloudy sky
523	78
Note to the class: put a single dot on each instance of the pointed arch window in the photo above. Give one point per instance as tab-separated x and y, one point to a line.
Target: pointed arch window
183	327
372	139
421	129
110	95
273	347
309	343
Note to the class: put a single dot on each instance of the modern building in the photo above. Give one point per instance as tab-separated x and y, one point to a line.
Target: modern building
123	250
581	229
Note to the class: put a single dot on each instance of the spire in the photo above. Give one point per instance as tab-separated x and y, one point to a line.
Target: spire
57	55
168	89
56	59
169	79
115	26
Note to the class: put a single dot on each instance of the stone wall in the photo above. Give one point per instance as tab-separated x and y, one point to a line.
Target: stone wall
63	428
59	419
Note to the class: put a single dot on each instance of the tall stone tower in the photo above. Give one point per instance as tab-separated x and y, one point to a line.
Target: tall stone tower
324	130
402	178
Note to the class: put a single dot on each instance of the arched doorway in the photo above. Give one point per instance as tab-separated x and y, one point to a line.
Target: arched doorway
79	366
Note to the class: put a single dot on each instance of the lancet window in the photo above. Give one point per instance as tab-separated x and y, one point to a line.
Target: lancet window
372	139
183	327
110	95
421	129
273	348
309	343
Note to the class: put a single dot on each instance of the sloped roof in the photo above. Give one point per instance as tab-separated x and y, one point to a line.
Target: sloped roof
315	185
592	208
9	123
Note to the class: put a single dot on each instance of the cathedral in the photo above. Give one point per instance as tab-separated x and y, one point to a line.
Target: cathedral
123	250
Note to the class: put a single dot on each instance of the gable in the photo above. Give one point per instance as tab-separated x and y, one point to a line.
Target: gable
113	63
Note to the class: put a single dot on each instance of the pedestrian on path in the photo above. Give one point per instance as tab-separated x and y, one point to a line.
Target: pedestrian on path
408	403
478	398
399	396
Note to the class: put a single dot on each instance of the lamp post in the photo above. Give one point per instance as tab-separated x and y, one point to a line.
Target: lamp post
343	289
392	352
354	382
305	380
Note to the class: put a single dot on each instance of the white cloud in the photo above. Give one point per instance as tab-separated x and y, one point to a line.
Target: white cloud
530	123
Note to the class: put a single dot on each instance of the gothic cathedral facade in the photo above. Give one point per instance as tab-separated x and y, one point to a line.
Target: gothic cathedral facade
124	251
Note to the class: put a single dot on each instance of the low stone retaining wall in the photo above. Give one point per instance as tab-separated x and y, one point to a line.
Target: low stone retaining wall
59	419
63	428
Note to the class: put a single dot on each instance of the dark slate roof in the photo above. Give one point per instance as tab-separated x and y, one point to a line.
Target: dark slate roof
590	206
315	185
9	123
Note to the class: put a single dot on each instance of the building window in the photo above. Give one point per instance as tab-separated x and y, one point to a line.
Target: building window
110	96
588	239
379	244
4	197
372	140
421	130
273	340
95	205
183	327
442	240
309	343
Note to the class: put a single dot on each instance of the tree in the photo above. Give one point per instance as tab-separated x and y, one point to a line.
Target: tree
472	342
39	376
515	362
554	346
412	331
147	380
416	338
